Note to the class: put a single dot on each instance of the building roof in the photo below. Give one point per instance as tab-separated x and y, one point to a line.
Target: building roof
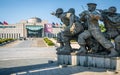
34	20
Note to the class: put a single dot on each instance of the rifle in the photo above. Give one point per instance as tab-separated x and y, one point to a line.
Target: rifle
87	16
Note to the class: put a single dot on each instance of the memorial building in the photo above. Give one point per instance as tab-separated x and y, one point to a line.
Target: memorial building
33	27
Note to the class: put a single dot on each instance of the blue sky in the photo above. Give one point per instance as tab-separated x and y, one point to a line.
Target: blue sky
13	11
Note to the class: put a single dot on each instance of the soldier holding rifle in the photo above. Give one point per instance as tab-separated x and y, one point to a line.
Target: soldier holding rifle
91	18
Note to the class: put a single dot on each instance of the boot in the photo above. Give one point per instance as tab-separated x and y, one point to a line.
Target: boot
113	53
59	48
82	50
66	49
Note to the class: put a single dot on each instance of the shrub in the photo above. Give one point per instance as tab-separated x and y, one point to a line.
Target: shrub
1	41
49	42
5	40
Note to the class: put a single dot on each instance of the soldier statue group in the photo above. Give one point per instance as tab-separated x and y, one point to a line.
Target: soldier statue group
86	31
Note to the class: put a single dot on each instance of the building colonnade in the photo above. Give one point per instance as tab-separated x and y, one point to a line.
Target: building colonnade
10	35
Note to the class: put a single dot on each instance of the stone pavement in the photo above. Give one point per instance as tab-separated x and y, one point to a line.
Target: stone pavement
19	57
27	60
33	42
38	42
54	69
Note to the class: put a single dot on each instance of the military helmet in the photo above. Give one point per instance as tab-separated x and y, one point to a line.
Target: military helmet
71	10
92	4
112	9
59	11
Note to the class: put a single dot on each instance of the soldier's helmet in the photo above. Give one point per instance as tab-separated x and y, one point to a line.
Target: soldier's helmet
112	9
59	11
71	10
91	4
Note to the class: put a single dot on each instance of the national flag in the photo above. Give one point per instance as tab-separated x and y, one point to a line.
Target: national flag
1	23
56	24
61	24
53	24
5	23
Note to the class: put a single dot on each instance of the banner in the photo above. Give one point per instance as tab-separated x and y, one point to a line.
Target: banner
48	28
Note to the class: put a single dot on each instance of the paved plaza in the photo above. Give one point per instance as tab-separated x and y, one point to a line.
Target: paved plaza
28	58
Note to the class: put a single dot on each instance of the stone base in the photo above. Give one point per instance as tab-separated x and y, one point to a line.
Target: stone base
89	61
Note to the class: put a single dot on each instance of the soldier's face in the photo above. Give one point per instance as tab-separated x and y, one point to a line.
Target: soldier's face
112	10
57	15
91	8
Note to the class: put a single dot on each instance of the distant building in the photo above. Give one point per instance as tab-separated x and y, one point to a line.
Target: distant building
33	27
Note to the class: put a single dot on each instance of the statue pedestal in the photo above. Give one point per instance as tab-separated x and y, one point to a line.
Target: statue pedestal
88	60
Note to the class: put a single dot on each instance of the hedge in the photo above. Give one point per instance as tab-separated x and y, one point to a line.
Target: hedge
49	42
5	40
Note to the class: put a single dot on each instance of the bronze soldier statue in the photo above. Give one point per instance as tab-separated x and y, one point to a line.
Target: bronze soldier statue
111	20
72	29
58	12
91	17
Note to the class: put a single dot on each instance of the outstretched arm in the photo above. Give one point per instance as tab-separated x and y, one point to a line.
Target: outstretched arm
53	13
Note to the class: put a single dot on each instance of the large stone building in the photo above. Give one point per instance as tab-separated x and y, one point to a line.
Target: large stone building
33	27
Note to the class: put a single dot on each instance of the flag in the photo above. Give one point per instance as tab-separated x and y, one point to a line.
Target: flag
53	24
1	23
5	23
61	24
48	28
56	24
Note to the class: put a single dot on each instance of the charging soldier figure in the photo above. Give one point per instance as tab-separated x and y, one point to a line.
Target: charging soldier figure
72	29
59	12
111	20
92	16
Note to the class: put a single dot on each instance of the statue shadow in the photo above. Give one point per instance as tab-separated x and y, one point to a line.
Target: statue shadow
47	69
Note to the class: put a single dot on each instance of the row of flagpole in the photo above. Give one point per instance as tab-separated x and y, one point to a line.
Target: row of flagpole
3	23
56	24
